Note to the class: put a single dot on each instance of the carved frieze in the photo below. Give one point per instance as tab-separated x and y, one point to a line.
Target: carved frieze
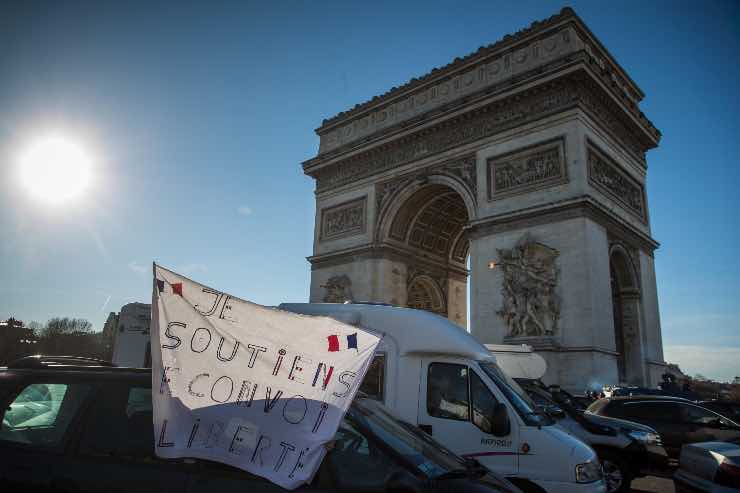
486	73
527	169
467	128
605	174
338	289
531	307
344	219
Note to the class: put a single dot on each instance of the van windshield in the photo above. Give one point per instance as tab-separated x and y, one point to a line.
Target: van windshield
414	446
516	395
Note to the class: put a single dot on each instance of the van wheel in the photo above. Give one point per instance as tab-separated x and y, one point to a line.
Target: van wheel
617	472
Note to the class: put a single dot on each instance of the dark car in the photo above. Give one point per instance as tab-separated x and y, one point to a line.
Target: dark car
626	449
728	409
70	425
678	421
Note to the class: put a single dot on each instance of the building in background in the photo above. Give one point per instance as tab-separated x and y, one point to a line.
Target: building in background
130	329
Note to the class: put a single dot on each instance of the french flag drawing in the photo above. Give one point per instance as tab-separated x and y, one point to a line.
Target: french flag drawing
335	339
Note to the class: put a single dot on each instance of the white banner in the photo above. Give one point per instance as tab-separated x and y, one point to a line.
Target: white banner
253	387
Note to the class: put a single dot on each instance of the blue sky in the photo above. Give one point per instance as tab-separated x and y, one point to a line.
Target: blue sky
199	117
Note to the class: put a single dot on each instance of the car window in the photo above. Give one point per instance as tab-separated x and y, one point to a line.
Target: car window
696	415
41	413
374	382
447	391
120	423
359	464
655	411
483	403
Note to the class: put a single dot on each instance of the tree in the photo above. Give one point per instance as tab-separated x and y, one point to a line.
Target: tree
66	325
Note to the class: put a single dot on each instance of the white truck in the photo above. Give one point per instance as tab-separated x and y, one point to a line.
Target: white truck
435	375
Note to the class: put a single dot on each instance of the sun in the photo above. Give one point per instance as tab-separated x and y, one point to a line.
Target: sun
55	169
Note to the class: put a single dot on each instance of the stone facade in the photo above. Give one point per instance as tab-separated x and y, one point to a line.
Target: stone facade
526	159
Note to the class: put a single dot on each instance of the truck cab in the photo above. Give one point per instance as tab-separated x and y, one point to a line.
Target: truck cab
435	375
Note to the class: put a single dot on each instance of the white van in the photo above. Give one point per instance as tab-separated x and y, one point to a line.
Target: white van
626	449
434	374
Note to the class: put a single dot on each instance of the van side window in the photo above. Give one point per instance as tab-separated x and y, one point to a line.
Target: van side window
483	403
41	413
374	381
447	391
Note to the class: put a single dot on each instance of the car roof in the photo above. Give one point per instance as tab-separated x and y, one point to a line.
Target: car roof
68	365
641	398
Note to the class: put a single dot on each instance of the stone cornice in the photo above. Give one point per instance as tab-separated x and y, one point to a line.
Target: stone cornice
578	207
574	89
529	50
384	251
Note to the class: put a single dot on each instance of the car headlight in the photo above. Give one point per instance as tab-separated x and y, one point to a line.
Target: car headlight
645	437
588	472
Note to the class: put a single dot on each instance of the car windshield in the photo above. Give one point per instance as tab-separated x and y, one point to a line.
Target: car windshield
413	445
516	395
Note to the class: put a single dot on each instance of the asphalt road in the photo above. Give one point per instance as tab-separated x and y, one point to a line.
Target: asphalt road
652	484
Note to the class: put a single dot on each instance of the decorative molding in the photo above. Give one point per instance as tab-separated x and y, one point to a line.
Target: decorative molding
563	210
463	129
487	73
345	219
524	170
574	90
531	50
387	252
610	178
530	306
462	168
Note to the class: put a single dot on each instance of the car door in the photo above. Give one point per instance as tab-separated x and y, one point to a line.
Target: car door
115	449
663	416
454	407
37	422
704	425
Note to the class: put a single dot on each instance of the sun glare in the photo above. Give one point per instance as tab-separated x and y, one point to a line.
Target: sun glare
55	169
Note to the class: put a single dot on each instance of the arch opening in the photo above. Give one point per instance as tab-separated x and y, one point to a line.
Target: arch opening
626	307
429	227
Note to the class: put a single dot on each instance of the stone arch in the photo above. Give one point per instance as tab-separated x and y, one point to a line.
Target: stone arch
627	313
425	222
404	191
424	294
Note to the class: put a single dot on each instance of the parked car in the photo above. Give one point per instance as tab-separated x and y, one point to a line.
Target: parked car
95	434
435	375
711	467
729	409
626	449
678	421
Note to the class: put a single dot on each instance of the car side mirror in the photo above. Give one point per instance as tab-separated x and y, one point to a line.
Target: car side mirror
403	482
500	424
555	412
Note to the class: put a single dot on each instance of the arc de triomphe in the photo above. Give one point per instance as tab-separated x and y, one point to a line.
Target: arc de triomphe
525	159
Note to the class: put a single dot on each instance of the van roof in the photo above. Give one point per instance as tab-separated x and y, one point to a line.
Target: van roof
414	331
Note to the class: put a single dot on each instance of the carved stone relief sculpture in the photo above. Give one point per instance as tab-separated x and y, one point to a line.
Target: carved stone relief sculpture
531	307
338	289
344	219
528	169
605	174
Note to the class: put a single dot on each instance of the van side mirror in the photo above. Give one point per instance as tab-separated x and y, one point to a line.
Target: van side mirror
500	424
402	482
